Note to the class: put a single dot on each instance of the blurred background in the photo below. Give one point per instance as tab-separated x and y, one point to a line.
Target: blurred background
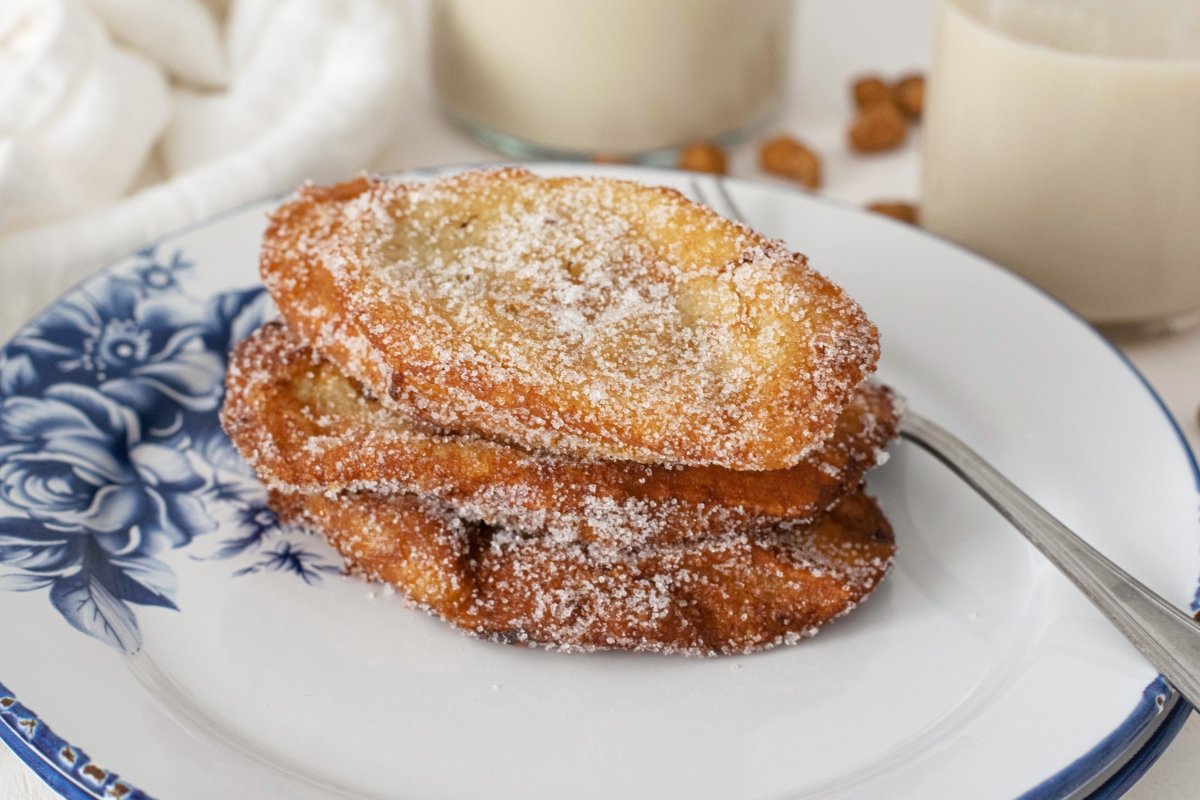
123	119
1058	138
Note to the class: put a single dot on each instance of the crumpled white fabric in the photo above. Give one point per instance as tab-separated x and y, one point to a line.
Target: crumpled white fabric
121	120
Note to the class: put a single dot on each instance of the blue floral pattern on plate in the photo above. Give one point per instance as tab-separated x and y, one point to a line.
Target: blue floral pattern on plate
111	450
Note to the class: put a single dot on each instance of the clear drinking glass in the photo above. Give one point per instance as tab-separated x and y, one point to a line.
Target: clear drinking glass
1062	140
631	79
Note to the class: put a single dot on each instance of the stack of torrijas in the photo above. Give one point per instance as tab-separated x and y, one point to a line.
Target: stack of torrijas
572	412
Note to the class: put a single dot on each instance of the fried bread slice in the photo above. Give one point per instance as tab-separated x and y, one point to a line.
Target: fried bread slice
305	427
731	594
597	317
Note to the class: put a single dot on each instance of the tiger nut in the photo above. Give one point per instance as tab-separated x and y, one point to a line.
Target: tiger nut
703	157
905	212
878	127
788	158
909	95
869	91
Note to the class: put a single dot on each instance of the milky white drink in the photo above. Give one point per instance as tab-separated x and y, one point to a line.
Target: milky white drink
1062	140
613	77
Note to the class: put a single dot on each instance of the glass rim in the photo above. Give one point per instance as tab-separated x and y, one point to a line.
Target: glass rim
975	13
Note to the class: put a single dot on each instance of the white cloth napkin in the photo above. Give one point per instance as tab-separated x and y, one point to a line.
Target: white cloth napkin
121	120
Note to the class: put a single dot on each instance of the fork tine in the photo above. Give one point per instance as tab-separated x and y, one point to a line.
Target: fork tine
734	213
725	205
698	193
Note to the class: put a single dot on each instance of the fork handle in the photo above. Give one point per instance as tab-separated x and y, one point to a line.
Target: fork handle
1168	638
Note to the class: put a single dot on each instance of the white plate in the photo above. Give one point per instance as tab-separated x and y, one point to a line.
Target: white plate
227	659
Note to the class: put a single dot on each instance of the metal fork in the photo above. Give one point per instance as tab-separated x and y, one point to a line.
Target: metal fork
1168	638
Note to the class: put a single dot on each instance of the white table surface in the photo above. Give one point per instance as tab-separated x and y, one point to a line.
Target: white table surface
834	40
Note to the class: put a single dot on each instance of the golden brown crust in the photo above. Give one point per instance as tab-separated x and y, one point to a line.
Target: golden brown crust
306	428
595	317
735	594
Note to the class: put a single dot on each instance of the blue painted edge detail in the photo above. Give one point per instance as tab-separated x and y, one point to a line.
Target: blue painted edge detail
1084	769
1136	766
37	752
64	768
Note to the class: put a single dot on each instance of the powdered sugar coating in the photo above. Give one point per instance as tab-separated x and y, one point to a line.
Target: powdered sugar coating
595	317
306	428
731	594
580	320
